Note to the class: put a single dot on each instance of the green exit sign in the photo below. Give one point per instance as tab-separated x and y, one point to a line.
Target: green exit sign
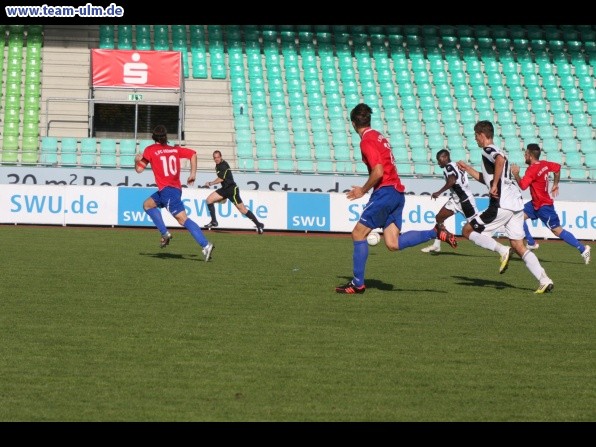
135	97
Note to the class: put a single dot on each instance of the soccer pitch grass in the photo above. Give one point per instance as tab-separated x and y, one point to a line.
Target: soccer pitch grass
100	324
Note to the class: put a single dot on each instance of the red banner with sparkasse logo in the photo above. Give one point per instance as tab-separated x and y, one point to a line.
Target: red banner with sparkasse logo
135	68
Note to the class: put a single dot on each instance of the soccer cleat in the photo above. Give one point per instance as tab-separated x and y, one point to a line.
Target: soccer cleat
545	287
430	249
211	224
445	235
165	239
260	228
586	254
207	251
533	247
505	261
350	288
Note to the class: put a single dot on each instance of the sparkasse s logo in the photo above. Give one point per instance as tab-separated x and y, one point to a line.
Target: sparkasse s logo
138	68
136	72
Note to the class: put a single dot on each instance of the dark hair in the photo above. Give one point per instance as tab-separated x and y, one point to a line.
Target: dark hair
534	150
160	134
217	152
444	151
360	115
486	128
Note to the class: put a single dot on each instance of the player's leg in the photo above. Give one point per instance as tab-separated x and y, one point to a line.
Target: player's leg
248	213
213	198
152	207
549	216
479	230
401	241
529	213
514	231
443	214
359	258
176	208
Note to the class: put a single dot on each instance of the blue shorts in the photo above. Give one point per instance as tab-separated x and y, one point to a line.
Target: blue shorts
170	199
546	214
384	207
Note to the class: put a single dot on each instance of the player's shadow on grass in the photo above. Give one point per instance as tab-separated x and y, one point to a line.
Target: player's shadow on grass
376	284
482	282
449	252
162	255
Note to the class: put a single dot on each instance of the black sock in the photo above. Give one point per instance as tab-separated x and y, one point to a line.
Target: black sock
212	212
252	217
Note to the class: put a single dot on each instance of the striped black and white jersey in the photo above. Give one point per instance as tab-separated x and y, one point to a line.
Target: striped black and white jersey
510	195
461	194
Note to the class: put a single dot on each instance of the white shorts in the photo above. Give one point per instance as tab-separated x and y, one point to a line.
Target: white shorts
454	205
511	221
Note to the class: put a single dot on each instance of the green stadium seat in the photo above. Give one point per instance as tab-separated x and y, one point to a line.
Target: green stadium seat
30	153
573	159
107	152
549	144
590	160
125	40
68	151
565	131
106	36
49	150
514	145
584	132
508	130
569	145
527	132
555	156
243	136
127	149
523	117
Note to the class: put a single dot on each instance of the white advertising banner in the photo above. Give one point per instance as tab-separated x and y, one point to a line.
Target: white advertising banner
58	205
295	211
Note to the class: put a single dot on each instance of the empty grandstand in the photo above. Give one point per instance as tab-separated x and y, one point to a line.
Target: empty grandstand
276	98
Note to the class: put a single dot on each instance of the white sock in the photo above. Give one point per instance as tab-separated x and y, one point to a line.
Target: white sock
487	242
437	243
533	265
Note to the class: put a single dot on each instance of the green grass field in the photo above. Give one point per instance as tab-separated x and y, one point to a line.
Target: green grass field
99	324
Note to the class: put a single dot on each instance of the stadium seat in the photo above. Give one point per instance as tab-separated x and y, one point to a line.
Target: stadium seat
577	173
573	159
106	36
127	149
69	151
555	156
88	152
590	160
107	152
48	150
125	41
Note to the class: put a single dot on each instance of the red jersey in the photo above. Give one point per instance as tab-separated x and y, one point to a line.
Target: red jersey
165	163
376	149
536	177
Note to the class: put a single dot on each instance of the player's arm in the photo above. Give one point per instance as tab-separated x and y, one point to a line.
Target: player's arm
447	186
515	172
375	175
470	170
555	189
193	169
140	163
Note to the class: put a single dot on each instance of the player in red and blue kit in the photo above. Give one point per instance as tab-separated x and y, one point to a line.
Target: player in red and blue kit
542	204
385	206
165	163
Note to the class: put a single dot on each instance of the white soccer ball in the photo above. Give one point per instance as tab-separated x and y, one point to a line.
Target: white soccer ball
373	238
